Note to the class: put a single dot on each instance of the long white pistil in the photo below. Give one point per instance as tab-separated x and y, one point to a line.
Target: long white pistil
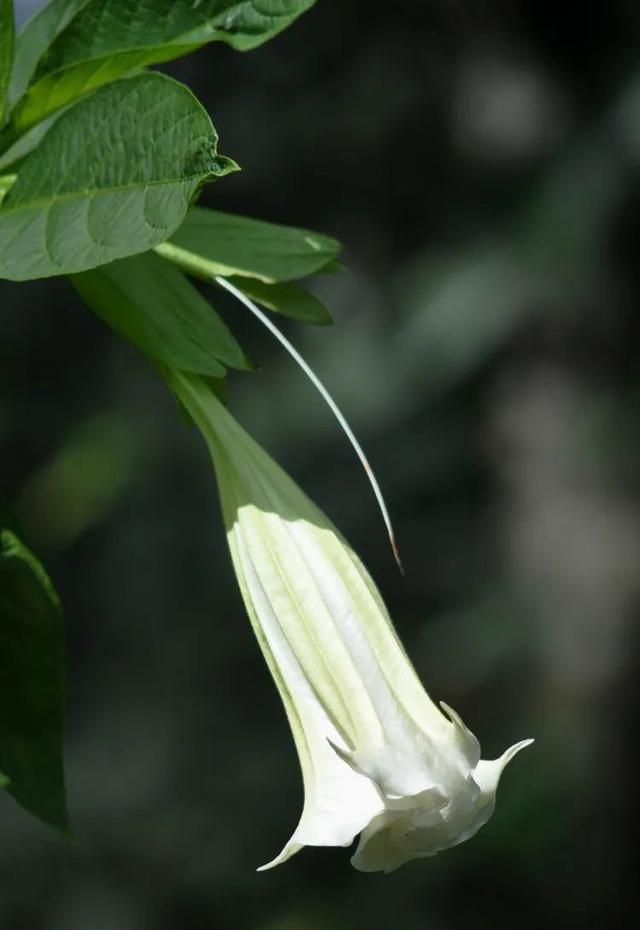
317	383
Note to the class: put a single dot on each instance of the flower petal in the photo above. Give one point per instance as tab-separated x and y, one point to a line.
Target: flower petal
378	757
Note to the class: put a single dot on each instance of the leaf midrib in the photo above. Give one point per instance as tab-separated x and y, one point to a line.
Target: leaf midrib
75	195
105	56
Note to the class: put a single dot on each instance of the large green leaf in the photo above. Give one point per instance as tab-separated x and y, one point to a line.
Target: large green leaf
287	299
150	303
32	683
36	37
7	35
114	176
212	243
110	38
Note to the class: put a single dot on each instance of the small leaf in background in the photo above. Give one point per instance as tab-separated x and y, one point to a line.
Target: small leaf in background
149	302
7	35
114	176
211	243
18	150
110	38
82	482
287	299
6	182
32	675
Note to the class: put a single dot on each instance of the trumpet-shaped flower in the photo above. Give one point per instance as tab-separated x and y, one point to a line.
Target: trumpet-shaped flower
378	757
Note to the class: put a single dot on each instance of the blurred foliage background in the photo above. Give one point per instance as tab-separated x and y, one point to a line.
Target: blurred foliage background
480	159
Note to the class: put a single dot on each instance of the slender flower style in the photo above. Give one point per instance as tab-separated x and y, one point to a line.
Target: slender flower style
378	757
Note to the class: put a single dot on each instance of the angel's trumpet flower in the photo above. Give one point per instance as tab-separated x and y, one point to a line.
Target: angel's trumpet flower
378	757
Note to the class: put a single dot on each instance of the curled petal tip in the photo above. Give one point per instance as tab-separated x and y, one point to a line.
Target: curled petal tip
346	755
289	850
453	716
515	749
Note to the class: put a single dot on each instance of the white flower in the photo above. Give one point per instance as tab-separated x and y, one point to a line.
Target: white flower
378	757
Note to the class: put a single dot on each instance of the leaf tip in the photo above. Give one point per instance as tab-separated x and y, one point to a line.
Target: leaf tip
221	166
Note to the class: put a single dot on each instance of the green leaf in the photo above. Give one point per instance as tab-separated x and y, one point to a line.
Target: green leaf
6	182
32	677
36	37
332	267
114	176
18	150
150	303
110	38
7	36
287	299
211	243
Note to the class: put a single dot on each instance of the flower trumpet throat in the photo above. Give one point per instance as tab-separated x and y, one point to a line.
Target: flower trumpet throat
378	757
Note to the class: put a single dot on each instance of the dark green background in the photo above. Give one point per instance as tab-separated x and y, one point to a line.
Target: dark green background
479	159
